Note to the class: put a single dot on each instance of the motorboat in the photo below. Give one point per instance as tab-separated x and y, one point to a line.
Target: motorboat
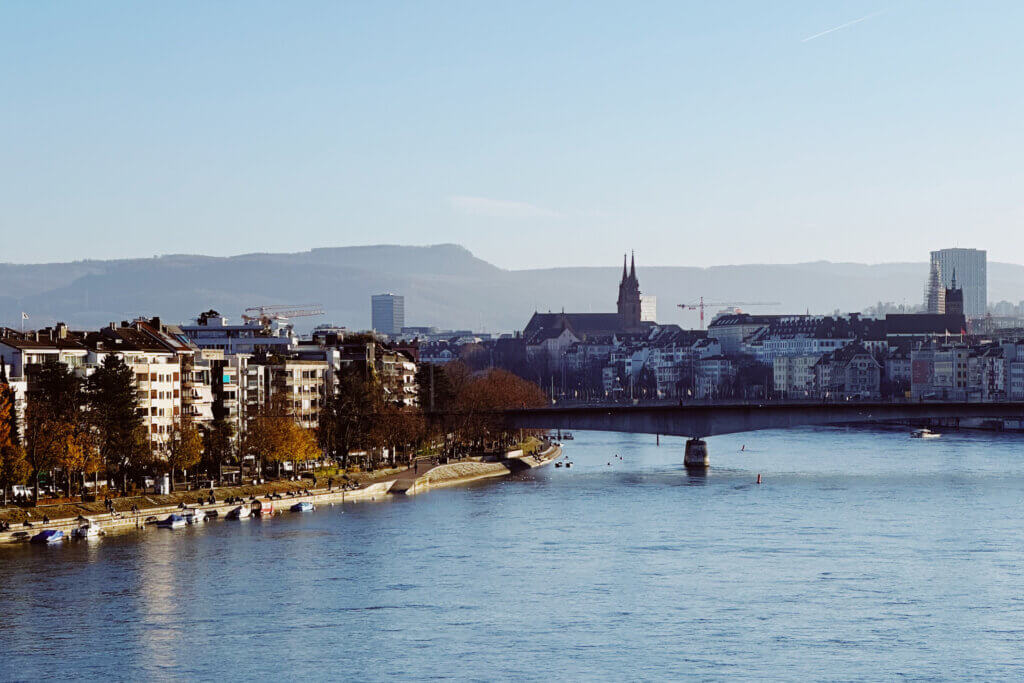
195	516
174	521
924	434
568	464
264	509
558	464
304	506
48	536
567	436
240	512
87	531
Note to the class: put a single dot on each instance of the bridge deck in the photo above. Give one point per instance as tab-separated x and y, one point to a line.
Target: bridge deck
701	420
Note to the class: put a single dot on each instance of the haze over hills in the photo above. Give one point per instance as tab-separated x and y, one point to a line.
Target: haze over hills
445	286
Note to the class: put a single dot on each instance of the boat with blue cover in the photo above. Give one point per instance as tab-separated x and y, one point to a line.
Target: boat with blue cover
173	521
48	536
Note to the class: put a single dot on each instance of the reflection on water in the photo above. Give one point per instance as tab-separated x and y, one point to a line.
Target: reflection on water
863	554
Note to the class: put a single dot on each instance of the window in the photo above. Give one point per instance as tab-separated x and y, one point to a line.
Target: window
152	394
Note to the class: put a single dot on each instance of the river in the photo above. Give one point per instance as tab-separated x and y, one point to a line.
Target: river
864	554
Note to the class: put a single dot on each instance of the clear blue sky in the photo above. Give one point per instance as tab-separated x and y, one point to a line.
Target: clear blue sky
535	134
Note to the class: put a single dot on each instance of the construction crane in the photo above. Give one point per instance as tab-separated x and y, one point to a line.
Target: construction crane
700	305
267	314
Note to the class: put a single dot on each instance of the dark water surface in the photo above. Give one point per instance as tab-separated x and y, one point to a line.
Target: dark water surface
863	555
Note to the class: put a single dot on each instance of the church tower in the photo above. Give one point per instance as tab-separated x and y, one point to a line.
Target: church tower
629	298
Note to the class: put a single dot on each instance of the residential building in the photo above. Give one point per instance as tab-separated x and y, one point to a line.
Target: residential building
794	375
212	331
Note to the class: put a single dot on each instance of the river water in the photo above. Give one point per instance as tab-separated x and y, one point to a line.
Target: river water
862	555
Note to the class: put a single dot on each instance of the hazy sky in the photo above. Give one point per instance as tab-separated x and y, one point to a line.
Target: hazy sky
535	134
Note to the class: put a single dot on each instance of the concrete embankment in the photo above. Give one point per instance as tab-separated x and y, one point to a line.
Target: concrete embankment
123	521
154	508
465	472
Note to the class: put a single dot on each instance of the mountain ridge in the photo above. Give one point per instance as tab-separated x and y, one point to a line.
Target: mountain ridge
445	285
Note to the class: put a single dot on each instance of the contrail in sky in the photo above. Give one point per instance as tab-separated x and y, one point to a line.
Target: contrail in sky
842	26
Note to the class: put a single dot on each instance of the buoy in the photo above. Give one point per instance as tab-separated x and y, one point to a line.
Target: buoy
759	478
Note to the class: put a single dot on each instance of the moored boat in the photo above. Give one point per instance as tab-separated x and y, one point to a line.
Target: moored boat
924	434
87	531
264	509
195	516
240	512
48	536
173	521
304	506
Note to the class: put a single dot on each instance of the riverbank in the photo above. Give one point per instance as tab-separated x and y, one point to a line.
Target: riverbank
464	472
371	487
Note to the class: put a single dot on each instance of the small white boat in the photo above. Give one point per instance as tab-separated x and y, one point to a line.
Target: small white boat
240	512
87	531
924	434
304	506
195	516
172	522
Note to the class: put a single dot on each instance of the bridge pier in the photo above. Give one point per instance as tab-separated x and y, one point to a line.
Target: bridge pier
696	454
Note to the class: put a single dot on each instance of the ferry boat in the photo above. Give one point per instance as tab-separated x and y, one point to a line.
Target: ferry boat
48	536
924	434
304	506
172	522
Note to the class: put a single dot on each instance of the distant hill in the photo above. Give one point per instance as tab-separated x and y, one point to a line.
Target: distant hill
444	285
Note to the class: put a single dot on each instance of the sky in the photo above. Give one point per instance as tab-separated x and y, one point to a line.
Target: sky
536	134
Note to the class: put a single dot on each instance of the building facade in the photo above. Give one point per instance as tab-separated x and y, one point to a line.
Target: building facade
387	313
970	268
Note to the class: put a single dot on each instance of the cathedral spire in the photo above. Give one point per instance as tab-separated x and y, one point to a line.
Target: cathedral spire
623	267
632	269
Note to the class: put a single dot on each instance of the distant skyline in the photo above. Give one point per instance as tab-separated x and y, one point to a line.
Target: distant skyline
535	134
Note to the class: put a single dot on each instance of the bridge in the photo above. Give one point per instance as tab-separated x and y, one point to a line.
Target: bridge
698	421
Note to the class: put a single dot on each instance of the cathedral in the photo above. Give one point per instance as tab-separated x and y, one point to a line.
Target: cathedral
581	326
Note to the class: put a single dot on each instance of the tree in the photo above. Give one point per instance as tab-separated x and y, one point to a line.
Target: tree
184	446
13	467
113	409
268	433
218	444
54	408
357	399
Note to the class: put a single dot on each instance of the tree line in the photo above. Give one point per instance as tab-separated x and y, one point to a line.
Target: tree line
83	429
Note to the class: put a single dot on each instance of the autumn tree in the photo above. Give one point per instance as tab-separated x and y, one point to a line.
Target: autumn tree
113	410
184	446
13	467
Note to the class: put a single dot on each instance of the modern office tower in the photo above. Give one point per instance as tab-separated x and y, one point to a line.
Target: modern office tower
388	313
970	267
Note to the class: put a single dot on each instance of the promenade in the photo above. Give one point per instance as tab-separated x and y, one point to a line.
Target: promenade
150	508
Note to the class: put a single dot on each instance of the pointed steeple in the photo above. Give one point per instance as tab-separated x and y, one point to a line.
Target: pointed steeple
623	267
632	267
954	280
